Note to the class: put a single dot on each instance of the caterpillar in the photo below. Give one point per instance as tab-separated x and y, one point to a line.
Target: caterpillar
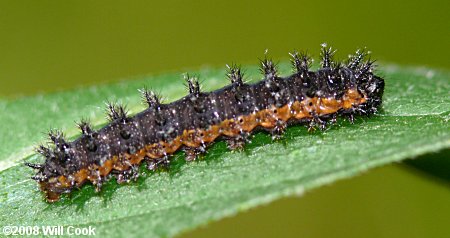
192	123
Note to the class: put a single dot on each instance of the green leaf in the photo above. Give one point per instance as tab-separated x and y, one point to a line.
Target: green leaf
414	121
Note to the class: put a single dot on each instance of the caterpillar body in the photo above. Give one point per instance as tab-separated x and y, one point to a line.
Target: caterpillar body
232	113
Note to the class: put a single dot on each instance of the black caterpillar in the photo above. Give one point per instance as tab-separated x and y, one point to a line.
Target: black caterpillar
193	122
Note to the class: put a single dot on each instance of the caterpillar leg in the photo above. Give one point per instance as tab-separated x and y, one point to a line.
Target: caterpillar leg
278	131
317	122
132	174
154	164
193	153
238	142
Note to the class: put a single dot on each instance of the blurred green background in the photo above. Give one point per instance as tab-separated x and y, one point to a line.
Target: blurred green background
47	46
